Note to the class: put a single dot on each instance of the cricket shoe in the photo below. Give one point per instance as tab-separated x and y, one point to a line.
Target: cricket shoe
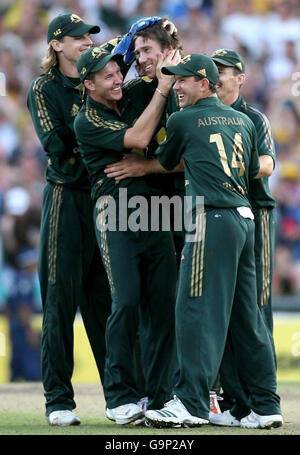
173	415
224	419
254	420
213	403
125	413
143	404
63	418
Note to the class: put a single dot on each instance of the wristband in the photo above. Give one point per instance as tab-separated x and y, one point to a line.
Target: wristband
161	93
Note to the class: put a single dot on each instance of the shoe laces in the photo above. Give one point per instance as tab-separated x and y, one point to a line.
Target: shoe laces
175	403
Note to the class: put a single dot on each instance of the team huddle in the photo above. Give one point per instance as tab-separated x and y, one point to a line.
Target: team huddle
180	326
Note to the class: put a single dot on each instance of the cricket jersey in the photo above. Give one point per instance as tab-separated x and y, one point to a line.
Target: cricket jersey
53	101
100	133
259	192
218	145
138	93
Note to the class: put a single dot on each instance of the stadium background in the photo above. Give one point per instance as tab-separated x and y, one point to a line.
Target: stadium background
266	33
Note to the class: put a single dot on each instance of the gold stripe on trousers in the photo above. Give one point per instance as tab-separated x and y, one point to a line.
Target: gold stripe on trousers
265	256
198	256
104	245
53	231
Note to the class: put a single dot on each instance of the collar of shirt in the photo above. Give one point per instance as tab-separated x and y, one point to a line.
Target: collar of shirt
239	102
71	82
210	101
90	102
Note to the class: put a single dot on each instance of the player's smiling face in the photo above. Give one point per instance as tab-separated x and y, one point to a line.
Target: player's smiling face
229	84
187	89
147	52
71	47
106	86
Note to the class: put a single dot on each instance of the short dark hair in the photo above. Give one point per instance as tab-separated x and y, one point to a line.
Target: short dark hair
212	87
160	34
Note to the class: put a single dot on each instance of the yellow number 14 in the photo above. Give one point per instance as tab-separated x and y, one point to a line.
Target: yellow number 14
237	155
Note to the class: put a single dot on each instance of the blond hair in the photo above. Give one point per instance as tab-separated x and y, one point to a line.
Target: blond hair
50	60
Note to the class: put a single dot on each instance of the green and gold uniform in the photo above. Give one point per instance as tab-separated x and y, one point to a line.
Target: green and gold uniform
71	272
263	205
217	273
138	93
141	266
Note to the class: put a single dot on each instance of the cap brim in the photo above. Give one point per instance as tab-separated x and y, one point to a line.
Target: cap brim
223	62
84	28
177	70
101	64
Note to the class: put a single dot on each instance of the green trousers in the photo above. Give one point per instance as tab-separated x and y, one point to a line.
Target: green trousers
235	393
72	277
217	283
141	267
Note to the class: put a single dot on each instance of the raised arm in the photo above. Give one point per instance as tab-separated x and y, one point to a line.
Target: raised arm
142	131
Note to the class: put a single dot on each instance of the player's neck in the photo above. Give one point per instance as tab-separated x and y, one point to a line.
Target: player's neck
230	98
68	69
108	103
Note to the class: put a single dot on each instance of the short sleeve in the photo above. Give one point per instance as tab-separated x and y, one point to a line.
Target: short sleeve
171	150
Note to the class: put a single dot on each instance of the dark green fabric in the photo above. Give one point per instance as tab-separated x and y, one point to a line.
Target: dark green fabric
100	134
259	193
191	134
142	271
234	391
137	95
72	277
53	102
202	321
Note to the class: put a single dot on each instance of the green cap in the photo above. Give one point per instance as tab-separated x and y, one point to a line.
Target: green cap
69	25
227	57
195	65
94	59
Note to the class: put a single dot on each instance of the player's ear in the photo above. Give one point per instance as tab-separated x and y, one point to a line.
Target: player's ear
56	45
241	78
89	85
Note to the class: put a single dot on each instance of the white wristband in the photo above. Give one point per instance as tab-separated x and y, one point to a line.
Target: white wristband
161	93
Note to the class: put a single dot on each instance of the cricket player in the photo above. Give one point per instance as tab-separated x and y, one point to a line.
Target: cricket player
218	146
140	264
146	40
232	76
71	272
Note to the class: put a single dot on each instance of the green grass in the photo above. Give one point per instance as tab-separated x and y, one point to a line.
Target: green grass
13	421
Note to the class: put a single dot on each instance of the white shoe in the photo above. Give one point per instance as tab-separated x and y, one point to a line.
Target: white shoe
174	414
143	404
125	413
254	420
225	419
63	418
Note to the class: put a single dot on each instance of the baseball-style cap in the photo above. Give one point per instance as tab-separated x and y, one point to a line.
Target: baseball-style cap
94	59
227	57
195	65
69	25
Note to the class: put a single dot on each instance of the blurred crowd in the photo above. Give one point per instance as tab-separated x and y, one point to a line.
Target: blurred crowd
265	32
